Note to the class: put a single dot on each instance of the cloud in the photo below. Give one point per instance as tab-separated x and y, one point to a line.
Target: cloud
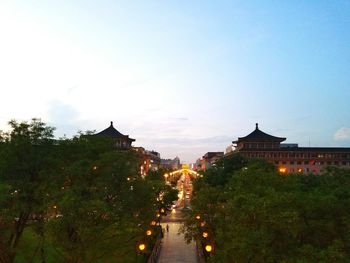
179	119
188	148
192	141
343	134
63	116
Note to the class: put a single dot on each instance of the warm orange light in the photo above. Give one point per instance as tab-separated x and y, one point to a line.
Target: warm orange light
153	223
94	168
300	170
282	170
158	215
142	247
209	248
55	207
162	210
205	234
203	224
198	217
149	232
173	211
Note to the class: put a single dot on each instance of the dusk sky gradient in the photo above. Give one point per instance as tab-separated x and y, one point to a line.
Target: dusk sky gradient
181	77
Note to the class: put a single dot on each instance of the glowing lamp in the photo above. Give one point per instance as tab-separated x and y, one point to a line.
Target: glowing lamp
208	248
205	234
198	217
153	223
149	232
283	170
142	247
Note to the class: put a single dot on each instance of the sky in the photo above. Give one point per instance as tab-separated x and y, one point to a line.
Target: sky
181	77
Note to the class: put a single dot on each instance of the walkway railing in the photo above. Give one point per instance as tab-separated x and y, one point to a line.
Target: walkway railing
200	255
153	258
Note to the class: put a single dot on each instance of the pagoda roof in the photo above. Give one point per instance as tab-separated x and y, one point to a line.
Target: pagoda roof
114	133
259	136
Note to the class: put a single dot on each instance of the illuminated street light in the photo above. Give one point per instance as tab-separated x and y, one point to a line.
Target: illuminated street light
203	224
205	234
142	247
162	210
198	217
153	223
208	248
282	170
149	232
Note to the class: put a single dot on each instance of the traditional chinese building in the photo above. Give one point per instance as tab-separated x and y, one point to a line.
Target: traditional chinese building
290	158
122	142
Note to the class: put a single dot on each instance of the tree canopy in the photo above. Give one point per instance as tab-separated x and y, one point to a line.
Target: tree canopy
71	200
253	214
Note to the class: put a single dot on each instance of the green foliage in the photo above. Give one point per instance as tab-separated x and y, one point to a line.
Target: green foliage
71	200
221	173
156	178
25	157
256	215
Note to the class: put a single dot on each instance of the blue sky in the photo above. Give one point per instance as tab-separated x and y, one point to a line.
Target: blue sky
181	77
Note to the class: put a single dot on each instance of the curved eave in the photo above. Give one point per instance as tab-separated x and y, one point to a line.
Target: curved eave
266	139
259	136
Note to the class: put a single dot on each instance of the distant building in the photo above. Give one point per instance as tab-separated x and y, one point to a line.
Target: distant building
122	142
290	158
170	164
208	160
150	160
229	149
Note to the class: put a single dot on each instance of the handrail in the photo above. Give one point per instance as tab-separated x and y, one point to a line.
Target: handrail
155	251
200	255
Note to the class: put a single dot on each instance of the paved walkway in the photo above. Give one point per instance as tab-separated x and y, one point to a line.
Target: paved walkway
174	248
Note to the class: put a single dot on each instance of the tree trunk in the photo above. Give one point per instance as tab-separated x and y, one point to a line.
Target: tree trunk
18	231
5	256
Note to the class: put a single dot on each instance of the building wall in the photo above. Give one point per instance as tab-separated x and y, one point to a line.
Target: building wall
302	160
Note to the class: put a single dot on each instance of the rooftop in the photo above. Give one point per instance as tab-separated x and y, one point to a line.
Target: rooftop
259	136
114	133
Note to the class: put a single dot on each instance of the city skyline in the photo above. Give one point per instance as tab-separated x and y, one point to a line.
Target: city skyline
181	78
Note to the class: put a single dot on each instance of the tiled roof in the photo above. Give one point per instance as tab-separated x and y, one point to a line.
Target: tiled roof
259	136
114	133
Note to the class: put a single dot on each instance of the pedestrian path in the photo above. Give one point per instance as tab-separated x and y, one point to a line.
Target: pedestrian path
174	248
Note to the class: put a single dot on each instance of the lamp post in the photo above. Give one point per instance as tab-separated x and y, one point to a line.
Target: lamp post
166	177
140	249
209	248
